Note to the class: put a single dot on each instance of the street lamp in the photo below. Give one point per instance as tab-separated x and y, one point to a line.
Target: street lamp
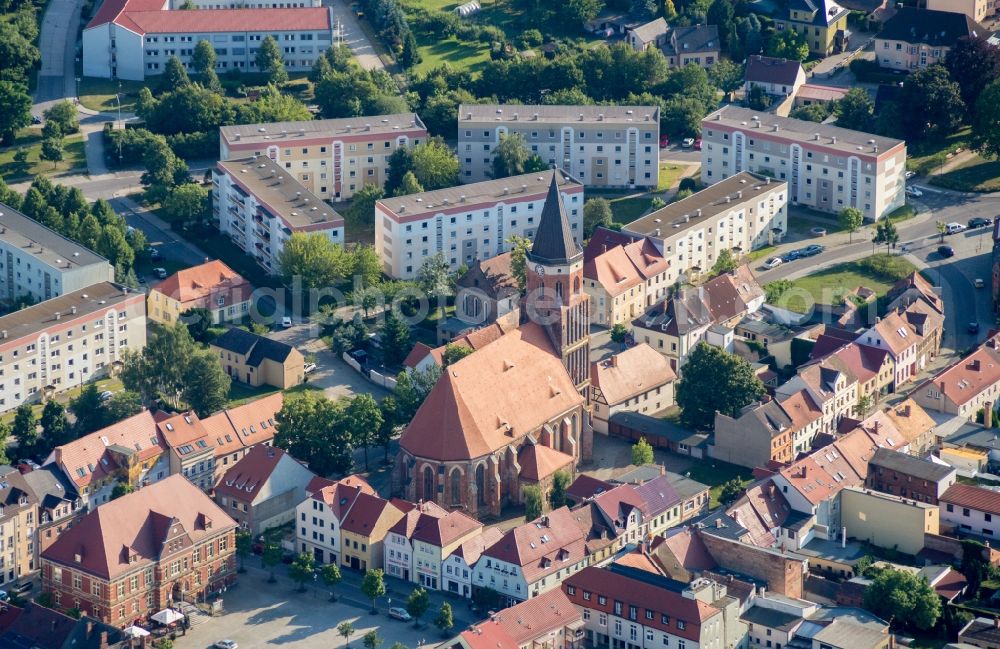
120	125
78	90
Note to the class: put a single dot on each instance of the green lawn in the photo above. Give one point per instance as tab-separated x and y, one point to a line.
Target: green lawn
975	175
902	213
761	253
670	175
715	473
626	210
99	94
926	158
241	393
74	157
460	55
830	285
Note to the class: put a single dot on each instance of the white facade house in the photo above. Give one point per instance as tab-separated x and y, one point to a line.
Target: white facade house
68	341
970	510
133	39
826	167
318	519
468	223
601	146
259	207
332	158
41	263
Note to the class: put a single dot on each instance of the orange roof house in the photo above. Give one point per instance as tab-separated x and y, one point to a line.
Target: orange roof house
213	286
965	386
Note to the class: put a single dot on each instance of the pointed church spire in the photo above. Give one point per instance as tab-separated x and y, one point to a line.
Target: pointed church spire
553	240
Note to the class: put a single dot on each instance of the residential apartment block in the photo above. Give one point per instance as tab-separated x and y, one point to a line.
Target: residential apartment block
425	537
601	146
977	10
259	205
738	213
915	38
67	341
133	556
821	23
826	167
332	158
468	223
133	39
41	263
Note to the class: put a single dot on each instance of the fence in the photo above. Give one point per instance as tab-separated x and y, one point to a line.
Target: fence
381	380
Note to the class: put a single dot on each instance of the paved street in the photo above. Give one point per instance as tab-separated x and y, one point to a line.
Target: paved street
57	45
259	614
354	36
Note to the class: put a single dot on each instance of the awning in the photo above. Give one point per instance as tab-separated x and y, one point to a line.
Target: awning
135	631
167	616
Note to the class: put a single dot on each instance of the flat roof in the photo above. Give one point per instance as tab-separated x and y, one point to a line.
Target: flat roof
513	188
705	205
281	193
284	131
35	319
842	140
558	114
48	245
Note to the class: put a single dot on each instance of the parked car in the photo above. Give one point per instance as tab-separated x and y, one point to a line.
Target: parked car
688	142
973	328
286	322
398	613
913	191
812	250
154	254
946	251
360	355
226	644
161	273
309	368
909	174
978	282
664	141
773	262
22	588
954	228
35	119
697	144
791	256
107	394
979	222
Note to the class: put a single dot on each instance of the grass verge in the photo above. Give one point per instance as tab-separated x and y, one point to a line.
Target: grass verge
715	474
74	157
975	175
626	210
828	287
927	158
99	94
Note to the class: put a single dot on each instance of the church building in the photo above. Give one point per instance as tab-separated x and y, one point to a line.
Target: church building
513	412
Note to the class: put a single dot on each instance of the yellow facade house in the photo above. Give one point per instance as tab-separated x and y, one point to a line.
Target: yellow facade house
823	24
363	531
256	360
213	286
887	521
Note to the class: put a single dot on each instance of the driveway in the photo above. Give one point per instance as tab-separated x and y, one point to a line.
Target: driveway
57	45
353	36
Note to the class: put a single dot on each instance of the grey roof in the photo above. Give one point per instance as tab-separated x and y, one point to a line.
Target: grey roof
86	302
771	618
659	494
280	193
50	486
241	341
554	238
976	435
651	30
981	629
656	427
691	39
285	131
931	27
47	245
677	315
546	114
269	349
686	487
764	419
489	191
844	633
702	206
826	11
847	142
910	465
767	69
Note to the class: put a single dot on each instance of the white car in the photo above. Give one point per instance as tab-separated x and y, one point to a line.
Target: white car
286	322
160	273
399	614
309	368
954	228
688	142
914	192
107	394
226	644
909	174
773	262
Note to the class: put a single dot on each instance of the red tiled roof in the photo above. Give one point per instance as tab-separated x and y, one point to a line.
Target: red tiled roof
618	503
127	533
972	497
543	546
148	16
200	286
413	514
244	479
539	461
614	271
586	486
639	560
247	425
537	616
184	433
488	635
968	377
445	530
365	513
472	549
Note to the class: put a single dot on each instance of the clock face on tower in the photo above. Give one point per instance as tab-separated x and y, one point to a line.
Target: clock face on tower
539	269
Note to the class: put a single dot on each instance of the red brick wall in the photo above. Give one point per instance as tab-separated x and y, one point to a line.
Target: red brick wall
784	575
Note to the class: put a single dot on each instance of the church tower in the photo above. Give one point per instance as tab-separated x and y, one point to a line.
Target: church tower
555	297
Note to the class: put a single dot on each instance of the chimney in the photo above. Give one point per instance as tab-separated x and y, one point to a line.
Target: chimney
90	627
987	409
614	360
104	640
975	365
805	472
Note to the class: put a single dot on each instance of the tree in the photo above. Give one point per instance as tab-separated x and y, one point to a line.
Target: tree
986	122
87	410
727	76
863	405
619	333
373	585
557	495
121	405
25	429
174	76
811	113
715	380
363	419
271	557
409	185
642	453
722	14
534	502
444	620
362	210
198	320
788	44
270	63
63	114
396	341
417	604
454	352
313	259
17	53
412	388
511	156
942	229
855	110
974	63
903	597
596	212
56	430
121	489
580	11
302	569
331	577
934	106
434	164
851	219
206	384
244	544
5	433
885	233
203	61
187	203
346	630
390	419
309	425
162	365
434	278
519	248
365	264
757	98
724	263
16	113
372	640
52	150
731	490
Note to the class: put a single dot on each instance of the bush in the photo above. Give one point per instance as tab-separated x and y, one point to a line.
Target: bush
134	143
194	146
688	184
867	71
889	268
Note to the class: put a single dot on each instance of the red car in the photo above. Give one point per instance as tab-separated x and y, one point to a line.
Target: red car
697	144
664	141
